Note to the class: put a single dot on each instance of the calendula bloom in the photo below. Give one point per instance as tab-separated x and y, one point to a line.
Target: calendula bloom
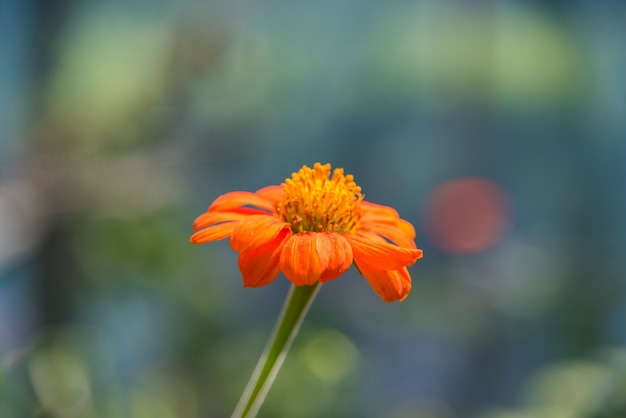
313	227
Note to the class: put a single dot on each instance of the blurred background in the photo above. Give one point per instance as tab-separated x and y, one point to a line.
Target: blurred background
498	128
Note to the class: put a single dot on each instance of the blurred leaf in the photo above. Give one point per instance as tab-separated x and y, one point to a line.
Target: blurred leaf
111	68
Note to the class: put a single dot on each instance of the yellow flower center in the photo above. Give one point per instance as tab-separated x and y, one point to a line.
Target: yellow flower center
316	202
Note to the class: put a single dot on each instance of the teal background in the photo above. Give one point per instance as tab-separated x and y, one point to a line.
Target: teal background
121	121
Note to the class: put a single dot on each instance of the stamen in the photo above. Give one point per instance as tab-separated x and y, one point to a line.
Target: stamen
316	202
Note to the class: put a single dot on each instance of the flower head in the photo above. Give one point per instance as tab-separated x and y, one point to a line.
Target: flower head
313	227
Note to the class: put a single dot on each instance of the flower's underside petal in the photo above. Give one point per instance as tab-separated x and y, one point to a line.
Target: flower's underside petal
401	225
378	217
378	213
390	285
273	194
237	214
299	261
339	254
406	227
261	265
370	248
392	232
255	231
233	200
213	233
312	256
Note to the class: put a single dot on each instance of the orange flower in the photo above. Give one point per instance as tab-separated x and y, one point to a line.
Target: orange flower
312	228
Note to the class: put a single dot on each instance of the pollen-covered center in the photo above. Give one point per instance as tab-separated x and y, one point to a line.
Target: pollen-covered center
314	201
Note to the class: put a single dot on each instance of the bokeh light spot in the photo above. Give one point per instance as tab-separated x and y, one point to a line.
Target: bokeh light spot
329	355
466	215
61	382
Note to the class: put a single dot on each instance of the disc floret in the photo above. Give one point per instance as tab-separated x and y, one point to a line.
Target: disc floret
316	202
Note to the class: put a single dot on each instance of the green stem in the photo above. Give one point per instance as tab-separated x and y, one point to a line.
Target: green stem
295	308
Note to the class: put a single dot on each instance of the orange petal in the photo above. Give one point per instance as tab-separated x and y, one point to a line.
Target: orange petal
340	256
255	231
209	218
369	248
406	227
380	213
391	232
213	233
390	285
311	256
272	193
400	225
261	266
236	199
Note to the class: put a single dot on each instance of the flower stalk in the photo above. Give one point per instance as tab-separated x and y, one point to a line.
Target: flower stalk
296	305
